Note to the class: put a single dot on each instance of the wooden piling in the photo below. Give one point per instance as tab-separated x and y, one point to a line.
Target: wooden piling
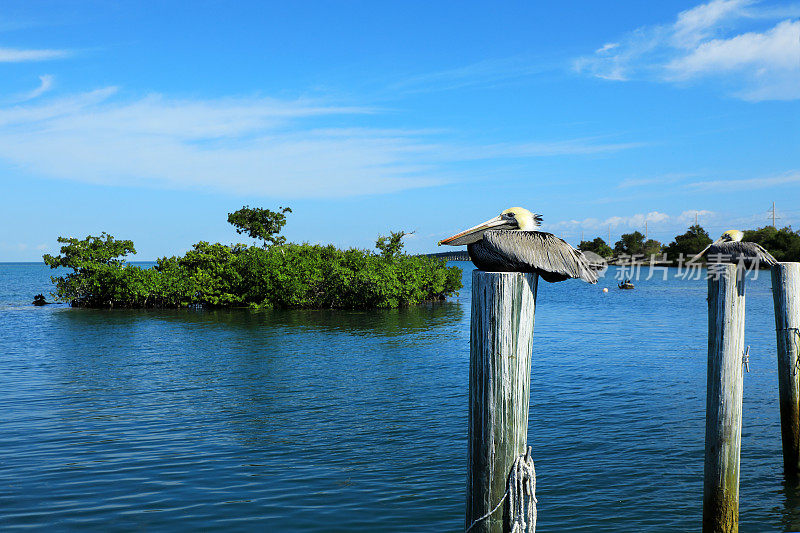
726	305
501	340
786	296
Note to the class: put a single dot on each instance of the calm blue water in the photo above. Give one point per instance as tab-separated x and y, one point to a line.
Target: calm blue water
356	421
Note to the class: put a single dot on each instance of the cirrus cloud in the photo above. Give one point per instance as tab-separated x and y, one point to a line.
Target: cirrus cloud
708	41
253	146
615	222
45	84
20	55
747	184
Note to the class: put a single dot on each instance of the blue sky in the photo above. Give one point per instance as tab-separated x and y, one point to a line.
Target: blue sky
153	120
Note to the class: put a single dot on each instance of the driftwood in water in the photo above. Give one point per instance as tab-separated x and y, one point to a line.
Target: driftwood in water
501	340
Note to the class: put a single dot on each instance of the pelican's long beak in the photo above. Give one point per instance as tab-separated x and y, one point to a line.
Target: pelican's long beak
695	258
475	233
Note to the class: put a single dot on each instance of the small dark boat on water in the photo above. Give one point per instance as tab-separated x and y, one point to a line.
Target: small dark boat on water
625	285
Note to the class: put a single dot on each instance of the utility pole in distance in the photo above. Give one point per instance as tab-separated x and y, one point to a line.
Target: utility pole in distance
773	215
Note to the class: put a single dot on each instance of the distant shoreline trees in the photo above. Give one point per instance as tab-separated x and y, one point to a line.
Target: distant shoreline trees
782	243
275	275
598	246
635	244
689	243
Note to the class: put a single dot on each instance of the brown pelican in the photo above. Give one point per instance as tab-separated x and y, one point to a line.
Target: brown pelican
729	248
510	243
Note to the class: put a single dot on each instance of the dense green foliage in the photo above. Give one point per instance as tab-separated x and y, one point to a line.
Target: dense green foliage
597	246
782	243
690	243
99	273
217	275
652	247
629	244
260	223
635	244
392	245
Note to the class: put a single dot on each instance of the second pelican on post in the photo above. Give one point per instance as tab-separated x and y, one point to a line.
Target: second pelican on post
729	248
510	243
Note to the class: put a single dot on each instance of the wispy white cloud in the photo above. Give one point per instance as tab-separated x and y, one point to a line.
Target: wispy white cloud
568	147
701	22
770	62
707	42
585	146
45	84
614	222
636	220
665	179
746	184
606	48
21	246
258	146
20	55
245	146
484	73
692	214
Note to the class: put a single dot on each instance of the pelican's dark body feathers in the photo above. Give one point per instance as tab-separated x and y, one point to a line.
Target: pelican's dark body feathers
530	251
749	253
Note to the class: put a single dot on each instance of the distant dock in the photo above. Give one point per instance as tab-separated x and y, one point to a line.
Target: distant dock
457	255
462	255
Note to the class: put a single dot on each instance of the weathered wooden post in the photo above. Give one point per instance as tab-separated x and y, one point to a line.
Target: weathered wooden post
724	398
786	296
501	341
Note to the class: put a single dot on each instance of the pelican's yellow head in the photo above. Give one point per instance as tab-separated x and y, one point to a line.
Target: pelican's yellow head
512	218
732	235
526	221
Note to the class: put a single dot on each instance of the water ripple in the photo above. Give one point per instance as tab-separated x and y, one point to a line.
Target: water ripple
356	421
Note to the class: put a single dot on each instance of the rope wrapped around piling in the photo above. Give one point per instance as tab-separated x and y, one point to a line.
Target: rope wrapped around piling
521	495
796	368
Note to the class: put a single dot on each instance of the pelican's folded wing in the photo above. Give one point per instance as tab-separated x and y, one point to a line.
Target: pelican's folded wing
765	256
752	251
553	258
